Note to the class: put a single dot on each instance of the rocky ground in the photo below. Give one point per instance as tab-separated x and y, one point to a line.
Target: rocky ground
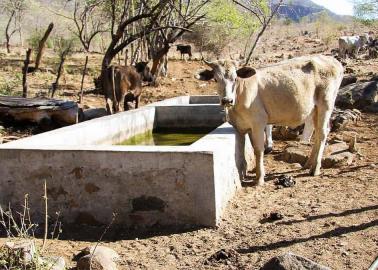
331	219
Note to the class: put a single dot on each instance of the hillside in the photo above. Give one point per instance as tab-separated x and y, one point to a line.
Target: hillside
298	9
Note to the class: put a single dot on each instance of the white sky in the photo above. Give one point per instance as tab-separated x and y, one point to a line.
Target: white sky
341	7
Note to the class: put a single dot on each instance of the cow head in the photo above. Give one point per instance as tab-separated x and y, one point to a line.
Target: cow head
364	39
225	73
145	71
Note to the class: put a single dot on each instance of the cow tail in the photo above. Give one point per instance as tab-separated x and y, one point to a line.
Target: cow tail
115	102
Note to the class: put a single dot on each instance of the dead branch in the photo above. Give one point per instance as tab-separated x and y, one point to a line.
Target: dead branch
41	45
25	74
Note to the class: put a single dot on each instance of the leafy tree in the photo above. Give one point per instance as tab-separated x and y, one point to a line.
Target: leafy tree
225	23
264	11
366	10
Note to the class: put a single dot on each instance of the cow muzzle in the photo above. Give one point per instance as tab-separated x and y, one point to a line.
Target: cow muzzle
226	101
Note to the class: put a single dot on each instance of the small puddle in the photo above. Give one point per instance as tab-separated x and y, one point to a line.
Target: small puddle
167	137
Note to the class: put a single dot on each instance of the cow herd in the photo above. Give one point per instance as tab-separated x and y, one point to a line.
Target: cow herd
351	46
298	91
123	84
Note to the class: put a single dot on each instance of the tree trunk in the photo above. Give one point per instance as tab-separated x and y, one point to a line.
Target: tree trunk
7	34
158	59
55	85
55	112
41	45
25	74
82	79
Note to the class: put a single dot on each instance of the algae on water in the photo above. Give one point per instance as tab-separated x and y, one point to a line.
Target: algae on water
166	137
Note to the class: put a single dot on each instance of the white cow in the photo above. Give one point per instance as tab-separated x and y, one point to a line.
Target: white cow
285	94
351	45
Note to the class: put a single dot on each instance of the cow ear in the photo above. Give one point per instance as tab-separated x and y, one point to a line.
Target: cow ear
246	72
205	75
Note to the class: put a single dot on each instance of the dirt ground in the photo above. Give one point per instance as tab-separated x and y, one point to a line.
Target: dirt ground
331	219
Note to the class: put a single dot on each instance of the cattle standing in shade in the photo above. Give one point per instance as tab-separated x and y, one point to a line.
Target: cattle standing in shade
286	94
144	70
185	49
119	81
351	45
373	49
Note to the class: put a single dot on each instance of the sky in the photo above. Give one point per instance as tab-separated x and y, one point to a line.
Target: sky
341	7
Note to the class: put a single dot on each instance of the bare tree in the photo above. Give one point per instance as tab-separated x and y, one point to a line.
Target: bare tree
121	21
263	13
14	10
88	20
183	15
25	74
41	45
64	48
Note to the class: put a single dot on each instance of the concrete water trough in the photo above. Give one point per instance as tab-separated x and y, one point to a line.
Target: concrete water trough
89	177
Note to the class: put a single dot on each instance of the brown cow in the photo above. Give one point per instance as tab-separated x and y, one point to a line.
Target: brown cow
120	82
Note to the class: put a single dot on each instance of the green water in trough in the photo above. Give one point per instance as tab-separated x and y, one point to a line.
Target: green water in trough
167	137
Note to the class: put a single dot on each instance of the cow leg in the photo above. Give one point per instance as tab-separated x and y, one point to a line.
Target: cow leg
321	137
121	100
342	53
109	106
269	139
257	140
311	159
137	99
308	130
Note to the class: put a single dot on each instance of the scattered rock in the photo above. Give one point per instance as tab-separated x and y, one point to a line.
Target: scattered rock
224	256
295	154
95	262
345	254
373	108
97	258
54	263
335	155
348	79
26	249
102	251
353	145
285	181
274	216
341	118
290	261
360	95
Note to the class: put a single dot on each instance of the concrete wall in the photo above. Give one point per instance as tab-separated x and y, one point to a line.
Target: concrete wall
189	116
145	185
105	130
204	100
86	186
233	157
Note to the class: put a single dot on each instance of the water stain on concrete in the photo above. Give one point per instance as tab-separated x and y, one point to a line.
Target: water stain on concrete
55	192
78	172
91	188
86	218
148	203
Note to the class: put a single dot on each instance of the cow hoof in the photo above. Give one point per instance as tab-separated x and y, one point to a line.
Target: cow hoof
260	183
314	172
268	150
